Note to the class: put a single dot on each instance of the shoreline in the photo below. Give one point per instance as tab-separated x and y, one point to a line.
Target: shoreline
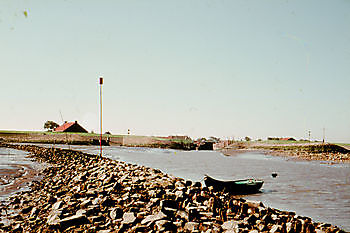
297	152
18	178
82	192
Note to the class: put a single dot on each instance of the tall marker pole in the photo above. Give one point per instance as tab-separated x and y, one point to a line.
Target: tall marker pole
324	134
101	82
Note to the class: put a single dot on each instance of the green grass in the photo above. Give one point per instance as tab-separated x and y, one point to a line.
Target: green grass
20	132
173	140
342	144
55	133
282	142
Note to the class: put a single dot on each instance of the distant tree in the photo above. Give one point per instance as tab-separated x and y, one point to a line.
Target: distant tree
214	139
201	140
247	139
50	125
108	133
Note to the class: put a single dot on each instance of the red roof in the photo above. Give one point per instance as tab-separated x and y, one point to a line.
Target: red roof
286	139
65	126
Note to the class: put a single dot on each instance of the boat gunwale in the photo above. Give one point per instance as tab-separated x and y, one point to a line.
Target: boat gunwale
234	186
234	181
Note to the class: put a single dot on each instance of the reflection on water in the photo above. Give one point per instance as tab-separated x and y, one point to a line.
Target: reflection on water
314	189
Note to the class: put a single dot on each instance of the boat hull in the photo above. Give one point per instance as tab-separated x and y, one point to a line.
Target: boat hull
247	186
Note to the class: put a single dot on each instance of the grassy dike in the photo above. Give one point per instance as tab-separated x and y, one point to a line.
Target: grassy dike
323	152
93	139
336	153
86	193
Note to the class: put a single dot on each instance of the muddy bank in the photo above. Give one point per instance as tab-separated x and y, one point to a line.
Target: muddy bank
321	152
86	193
16	171
16	178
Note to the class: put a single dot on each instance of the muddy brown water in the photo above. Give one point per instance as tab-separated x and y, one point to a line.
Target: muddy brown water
315	189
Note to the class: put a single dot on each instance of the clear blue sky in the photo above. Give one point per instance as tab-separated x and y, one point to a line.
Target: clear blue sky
199	68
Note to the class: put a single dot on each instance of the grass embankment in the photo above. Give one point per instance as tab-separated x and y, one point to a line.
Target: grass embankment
296	149
88	139
318	148
48	137
5	133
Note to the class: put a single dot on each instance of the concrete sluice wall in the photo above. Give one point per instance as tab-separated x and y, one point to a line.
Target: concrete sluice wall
87	193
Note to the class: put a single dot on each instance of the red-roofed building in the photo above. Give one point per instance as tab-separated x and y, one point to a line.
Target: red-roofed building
72	127
287	139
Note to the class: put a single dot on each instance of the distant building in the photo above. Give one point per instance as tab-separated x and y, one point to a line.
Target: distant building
72	127
287	139
178	137
281	139
273	138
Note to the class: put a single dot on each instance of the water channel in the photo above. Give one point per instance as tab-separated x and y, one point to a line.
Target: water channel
310	188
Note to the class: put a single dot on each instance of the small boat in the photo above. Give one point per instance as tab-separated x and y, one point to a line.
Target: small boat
246	186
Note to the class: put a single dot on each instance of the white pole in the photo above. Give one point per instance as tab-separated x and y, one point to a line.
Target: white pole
101	82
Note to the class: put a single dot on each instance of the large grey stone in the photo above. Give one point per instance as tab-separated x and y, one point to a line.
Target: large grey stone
179	194
54	218
81	212
74	220
128	218
57	205
152	218
254	204
85	203
191	226
276	228
230	225
182	214
97	201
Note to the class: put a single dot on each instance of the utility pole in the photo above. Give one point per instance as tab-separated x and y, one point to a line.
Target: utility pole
63	122
309	135
101	82
324	134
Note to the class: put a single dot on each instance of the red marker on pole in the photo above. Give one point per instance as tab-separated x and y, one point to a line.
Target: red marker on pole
101	82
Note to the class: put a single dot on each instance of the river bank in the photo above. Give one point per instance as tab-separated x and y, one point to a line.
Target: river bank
81	192
322	152
93	139
16	171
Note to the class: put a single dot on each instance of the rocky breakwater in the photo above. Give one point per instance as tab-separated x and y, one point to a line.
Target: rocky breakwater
86	193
